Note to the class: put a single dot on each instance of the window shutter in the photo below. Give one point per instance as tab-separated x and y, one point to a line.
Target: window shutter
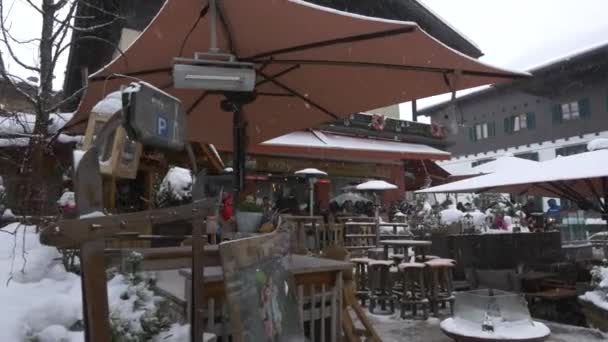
557	114
508	125
472	135
584	108
531	120
492	129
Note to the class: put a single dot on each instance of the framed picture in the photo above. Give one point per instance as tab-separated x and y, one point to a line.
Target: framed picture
260	292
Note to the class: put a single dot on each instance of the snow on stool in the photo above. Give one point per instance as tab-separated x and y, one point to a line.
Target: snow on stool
441	283
414	290
361	265
380	284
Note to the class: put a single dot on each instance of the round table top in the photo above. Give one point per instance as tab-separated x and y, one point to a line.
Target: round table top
413	243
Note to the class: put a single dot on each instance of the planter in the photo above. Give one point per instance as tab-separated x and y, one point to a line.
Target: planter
248	222
596	316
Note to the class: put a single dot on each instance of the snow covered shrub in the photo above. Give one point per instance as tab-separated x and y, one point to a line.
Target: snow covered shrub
135	314
175	189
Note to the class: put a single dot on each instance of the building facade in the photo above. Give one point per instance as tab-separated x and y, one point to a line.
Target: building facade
555	112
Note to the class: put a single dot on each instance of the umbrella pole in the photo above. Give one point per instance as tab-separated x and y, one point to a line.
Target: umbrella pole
239	152
234	103
377	218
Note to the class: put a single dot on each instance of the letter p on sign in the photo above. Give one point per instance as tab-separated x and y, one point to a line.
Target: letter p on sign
162	127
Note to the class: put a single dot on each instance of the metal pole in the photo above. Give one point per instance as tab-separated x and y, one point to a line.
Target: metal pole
213	27
311	184
377	218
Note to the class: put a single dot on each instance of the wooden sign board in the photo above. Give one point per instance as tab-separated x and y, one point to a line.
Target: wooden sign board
333	168
260	293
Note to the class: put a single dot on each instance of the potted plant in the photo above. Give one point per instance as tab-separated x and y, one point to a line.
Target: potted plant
248	216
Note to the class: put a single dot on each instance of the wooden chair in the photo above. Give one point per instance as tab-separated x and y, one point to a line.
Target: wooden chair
349	303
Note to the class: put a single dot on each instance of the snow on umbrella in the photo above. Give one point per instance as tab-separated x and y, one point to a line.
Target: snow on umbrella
581	178
311	172
376	185
349	196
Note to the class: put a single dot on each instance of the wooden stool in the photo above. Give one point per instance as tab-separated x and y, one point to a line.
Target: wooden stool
414	291
380	284
361	265
441	283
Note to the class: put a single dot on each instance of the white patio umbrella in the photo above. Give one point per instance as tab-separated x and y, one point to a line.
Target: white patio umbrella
349	196
375	186
582	178
312	175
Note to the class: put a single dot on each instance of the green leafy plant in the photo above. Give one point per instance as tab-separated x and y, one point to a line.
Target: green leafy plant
250	207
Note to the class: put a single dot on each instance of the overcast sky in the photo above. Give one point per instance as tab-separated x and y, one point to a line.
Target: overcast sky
512	33
523	33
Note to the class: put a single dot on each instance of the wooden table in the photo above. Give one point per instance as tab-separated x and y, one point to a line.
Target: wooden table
318	280
419	246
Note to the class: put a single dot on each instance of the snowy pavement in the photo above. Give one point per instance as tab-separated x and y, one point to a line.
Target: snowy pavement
393	329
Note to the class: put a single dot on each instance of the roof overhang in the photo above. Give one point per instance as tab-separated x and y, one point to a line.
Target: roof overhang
324	145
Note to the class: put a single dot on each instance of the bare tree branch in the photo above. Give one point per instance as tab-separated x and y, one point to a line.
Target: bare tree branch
8	45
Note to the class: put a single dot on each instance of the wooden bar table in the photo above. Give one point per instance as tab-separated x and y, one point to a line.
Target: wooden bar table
319	292
418	245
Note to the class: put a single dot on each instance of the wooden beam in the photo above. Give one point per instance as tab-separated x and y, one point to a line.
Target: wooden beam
71	233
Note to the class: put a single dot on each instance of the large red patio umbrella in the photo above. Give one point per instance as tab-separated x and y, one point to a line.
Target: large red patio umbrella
313	65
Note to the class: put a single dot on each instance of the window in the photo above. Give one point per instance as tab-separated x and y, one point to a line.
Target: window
570	111
482	131
520	122
528	155
482	161
573	110
570	150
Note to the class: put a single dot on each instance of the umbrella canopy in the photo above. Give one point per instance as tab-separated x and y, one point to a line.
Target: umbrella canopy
375	185
580	178
349	196
312	64
506	162
311	172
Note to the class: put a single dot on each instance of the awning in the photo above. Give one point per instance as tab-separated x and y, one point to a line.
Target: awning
318	144
313	65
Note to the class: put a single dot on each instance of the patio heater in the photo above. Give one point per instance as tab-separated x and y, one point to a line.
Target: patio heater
312	176
222	73
376	186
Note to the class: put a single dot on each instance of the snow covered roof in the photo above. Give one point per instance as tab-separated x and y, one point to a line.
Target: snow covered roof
15	128
325	141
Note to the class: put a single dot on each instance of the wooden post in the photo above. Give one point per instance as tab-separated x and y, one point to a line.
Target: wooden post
94	291
414	111
197	324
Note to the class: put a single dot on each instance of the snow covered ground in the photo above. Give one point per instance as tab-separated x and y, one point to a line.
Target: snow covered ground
393	329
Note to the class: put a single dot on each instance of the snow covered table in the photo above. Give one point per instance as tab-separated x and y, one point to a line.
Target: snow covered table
463	330
495	316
